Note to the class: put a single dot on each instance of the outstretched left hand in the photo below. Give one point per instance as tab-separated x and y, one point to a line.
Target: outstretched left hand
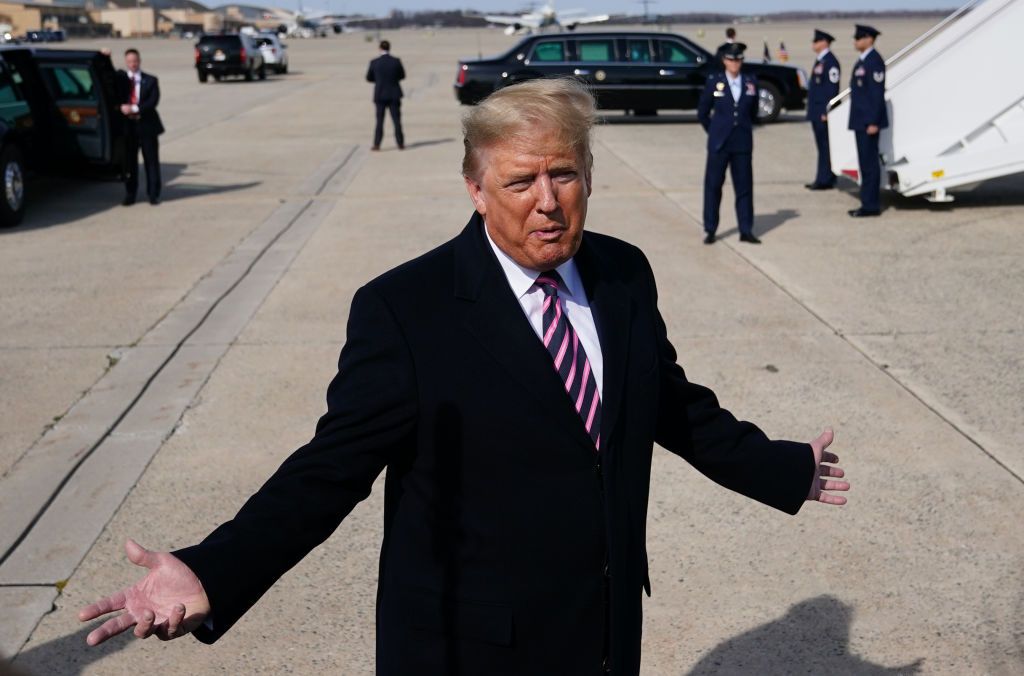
823	474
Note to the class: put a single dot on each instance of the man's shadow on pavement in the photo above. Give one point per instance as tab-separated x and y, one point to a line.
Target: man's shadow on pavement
56	200
813	637
423	144
67	655
765	223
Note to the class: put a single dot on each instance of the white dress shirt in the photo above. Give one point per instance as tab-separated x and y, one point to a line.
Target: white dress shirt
864	54
822	53
735	86
574	301
136	78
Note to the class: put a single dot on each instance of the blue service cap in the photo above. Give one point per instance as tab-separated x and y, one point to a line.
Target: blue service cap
734	50
864	32
822	35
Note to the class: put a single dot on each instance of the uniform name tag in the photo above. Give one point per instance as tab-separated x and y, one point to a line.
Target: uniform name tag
717	94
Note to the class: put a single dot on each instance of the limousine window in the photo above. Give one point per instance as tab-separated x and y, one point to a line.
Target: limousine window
673	52
638	51
548	51
595	50
13	108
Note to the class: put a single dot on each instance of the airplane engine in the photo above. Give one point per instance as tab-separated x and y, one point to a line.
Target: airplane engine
512	29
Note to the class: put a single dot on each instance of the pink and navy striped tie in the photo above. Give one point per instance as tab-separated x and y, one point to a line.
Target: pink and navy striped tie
569	356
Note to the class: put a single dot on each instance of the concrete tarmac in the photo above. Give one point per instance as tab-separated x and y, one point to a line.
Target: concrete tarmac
158	363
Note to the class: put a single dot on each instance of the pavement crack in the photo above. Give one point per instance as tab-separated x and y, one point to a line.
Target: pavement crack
148	383
884	369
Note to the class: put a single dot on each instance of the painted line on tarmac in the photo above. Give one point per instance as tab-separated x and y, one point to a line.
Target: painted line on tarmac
934	408
56	501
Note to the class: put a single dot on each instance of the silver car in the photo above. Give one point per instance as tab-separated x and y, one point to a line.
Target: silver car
275	52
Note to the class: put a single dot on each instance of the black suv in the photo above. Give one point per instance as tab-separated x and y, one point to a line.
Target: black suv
229	54
632	71
58	114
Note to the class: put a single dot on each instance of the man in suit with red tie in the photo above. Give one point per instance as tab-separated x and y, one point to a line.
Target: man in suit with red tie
385	72
513	382
140	95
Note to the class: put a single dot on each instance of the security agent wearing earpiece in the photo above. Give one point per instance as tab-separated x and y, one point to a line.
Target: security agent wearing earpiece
728	110
822	88
868	117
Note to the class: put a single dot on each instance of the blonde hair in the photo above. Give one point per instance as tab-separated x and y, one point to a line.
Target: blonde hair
562	105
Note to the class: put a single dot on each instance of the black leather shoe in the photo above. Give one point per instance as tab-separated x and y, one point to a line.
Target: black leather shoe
127	201
819	186
155	201
749	239
709	238
863	213
375	148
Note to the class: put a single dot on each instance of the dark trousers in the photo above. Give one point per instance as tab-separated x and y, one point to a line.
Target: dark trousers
742	171
870	170
824	176
395	108
151	158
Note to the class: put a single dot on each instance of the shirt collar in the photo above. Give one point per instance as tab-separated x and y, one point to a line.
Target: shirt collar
733	80
823	53
522	279
864	54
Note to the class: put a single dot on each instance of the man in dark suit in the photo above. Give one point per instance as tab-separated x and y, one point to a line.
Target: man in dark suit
140	95
513	382
730	39
728	111
385	72
868	117
823	87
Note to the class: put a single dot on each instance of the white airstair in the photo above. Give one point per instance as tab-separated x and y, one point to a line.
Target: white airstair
955	98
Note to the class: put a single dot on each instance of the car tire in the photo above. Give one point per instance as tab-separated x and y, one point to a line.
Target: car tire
203	77
284	69
12	187
262	72
248	74
769	102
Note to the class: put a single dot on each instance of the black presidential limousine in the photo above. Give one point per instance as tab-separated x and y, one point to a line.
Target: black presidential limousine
641	72
58	114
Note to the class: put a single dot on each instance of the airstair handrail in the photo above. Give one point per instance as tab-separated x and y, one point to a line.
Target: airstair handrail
932	31
843	95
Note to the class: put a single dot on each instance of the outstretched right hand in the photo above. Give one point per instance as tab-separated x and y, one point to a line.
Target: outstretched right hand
169	602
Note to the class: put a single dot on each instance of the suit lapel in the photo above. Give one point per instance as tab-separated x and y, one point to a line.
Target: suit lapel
496	319
611	307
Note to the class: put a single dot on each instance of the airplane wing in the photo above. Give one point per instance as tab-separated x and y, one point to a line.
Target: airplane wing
529	20
358	19
577	20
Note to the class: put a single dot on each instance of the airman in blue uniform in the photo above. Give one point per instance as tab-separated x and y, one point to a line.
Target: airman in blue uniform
868	117
822	88
728	110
